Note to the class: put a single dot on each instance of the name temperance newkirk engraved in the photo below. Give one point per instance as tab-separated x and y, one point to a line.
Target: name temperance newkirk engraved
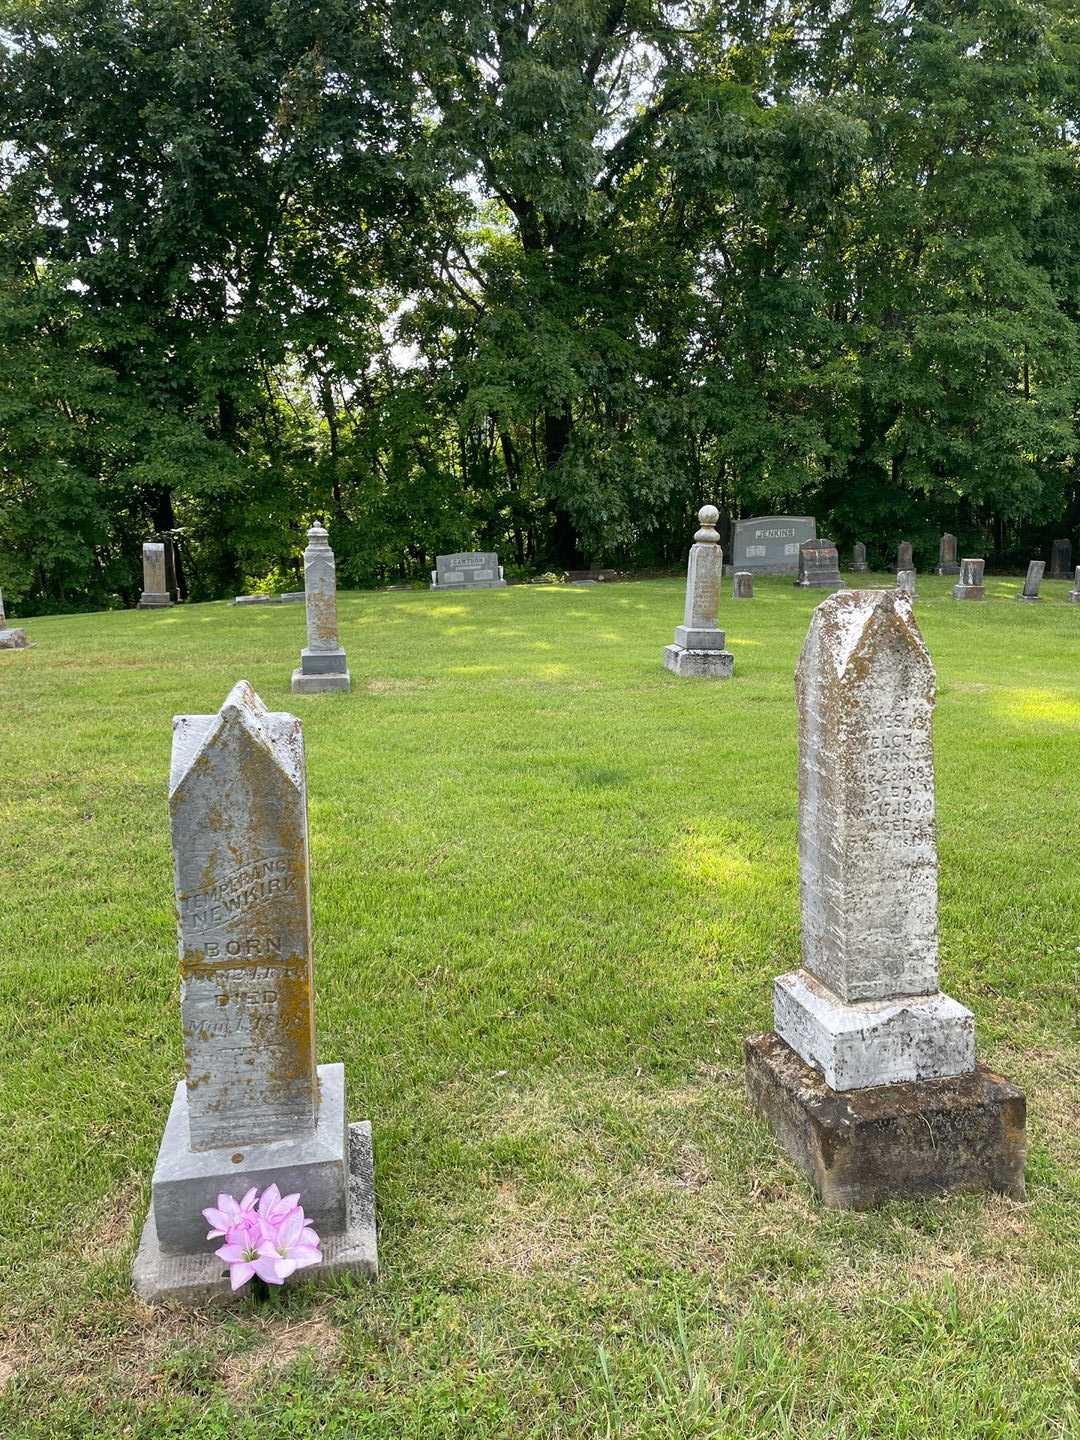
249	886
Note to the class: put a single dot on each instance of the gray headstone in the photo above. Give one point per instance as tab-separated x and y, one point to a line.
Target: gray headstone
970	585
699	643
1032	581
769	544
858	558
1061	560
469	570
819	565
1074	593
155	594
3	621
323	665
904	557
947	555
742	585
252	1108
13	639
905	581
865	1009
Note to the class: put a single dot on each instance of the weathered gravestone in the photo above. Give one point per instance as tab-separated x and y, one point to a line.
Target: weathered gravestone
323	665
947	555
1032	581
870	1079
1074	593
698	648
905	582
742	587
253	1108
970	585
290	597
1061	560
155	595
10	639
769	545
858	558
472	570
904	556
819	566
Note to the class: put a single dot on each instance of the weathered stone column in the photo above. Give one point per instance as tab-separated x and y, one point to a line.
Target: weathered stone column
970	585
1032	581
858	558
10	639
865	1011
253	1107
155	594
947	556
698	648
323	665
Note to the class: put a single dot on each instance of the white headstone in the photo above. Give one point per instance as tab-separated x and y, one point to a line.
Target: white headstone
866	1008
155	594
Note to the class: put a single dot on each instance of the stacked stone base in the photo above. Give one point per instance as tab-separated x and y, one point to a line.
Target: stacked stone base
705	664
969	592
468	585
321	670
821	582
154	600
13	639
948	570
862	1148
1074	596
332	1169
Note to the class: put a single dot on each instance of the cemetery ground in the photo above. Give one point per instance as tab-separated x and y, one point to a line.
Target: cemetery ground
552	885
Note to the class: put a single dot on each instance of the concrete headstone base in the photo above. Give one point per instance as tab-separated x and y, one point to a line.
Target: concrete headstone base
1074	596
948	570
821	582
706	664
316	684
198	1277
896	1142
873	1042
152	600
1030	599
468	585
969	592
186	1180
13	639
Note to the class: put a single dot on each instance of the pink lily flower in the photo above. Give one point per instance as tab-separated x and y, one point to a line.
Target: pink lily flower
274	1207
241	1253
294	1246
229	1213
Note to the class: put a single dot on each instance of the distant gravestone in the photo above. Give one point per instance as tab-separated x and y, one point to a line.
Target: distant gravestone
253	1108
155	595
1061	560
1032	581
10	639
819	566
905	582
865	1011
471	570
290	597
769	545
698	648
970	585
323	665
904	557
858	558
1074	593
742	585
947	564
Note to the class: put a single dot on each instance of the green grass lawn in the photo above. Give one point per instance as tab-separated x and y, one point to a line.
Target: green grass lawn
552	884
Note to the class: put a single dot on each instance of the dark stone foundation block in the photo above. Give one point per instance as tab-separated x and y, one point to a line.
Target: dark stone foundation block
861	1148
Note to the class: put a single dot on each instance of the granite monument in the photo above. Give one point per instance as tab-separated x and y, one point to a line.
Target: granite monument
698	648
971	585
323	665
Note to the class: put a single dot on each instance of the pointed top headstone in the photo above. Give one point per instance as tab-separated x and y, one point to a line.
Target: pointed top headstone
238	804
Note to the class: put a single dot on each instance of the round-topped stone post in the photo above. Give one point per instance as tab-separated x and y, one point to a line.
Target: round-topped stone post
858	558
323	665
698	648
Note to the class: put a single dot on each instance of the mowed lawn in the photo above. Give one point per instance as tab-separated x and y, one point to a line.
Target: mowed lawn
552	884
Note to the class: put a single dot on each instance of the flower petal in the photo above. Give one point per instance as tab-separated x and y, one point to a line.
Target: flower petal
285	1268
231	1254
240	1274
266	1269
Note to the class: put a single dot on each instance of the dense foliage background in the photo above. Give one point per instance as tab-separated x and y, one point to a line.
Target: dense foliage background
539	276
